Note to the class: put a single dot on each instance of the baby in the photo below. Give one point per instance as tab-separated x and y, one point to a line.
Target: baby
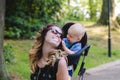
72	44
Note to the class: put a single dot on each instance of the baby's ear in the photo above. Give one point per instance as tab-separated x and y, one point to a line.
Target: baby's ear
79	38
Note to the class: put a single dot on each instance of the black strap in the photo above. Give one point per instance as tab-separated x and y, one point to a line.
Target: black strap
56	66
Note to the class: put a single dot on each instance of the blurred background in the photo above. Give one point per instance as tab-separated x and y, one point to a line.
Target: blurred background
23	18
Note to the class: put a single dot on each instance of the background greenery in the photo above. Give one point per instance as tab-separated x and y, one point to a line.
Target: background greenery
24	17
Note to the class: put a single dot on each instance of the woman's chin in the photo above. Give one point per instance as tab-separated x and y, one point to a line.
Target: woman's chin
55	44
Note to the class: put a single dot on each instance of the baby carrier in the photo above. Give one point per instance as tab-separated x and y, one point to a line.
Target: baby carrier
81	53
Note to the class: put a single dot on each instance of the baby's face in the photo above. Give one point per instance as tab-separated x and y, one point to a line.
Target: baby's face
72	37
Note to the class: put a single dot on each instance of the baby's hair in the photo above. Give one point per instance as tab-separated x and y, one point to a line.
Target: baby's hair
77	29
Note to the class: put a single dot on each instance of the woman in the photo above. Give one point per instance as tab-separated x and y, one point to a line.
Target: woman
46	59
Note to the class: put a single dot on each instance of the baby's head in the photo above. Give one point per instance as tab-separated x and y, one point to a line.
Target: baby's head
76	32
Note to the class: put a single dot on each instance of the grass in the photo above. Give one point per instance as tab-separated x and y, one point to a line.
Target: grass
19	68
98	38
98	53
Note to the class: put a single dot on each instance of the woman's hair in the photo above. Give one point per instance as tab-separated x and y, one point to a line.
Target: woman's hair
35	53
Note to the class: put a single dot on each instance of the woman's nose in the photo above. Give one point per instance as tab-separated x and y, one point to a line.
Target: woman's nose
58	35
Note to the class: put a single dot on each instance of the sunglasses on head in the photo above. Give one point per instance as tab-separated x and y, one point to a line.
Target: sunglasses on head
56	32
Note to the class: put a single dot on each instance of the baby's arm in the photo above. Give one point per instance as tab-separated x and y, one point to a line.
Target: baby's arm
66	49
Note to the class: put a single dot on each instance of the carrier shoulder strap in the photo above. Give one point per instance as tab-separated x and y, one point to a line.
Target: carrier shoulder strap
56	66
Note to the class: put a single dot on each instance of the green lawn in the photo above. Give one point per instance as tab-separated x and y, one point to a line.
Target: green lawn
98	53
19	68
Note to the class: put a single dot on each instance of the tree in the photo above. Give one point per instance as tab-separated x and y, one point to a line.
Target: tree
104	18
3	72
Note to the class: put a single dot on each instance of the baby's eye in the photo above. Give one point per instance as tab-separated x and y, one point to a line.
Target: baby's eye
71	36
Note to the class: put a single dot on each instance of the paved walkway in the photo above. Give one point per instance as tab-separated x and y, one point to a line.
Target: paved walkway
109	71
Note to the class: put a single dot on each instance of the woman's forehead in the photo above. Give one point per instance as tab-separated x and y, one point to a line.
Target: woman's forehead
57	28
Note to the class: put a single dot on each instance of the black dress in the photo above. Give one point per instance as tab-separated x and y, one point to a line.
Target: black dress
46	73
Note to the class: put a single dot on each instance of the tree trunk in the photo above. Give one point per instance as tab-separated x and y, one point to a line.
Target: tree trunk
104	14
104	18
3	72
113	20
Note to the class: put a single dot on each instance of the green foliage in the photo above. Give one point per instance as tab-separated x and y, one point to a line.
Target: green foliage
94	9
12	33
8	53
25	17
21	27
118	19
72	13
82	10
75	14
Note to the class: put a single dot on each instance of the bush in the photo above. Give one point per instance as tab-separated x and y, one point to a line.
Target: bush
21	28
8	53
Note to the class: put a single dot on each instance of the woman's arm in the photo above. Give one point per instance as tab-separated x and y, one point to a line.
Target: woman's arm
62	73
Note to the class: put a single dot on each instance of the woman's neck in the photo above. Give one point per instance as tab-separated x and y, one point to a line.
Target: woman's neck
46	49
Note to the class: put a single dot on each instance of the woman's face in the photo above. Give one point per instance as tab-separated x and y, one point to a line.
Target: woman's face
53	36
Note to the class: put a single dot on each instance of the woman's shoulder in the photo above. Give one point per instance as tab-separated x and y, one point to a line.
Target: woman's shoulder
62	73
62	64
62	61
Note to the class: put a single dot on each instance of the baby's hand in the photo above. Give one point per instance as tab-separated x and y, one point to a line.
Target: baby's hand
63	44
67	50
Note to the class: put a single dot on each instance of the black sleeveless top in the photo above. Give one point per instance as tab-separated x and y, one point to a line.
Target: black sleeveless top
46	73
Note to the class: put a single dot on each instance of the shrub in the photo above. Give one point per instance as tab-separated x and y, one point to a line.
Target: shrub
8	53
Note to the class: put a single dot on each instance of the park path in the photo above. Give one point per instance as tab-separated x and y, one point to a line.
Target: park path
109	71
